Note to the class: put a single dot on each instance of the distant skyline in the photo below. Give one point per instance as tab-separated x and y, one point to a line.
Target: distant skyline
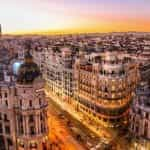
68	16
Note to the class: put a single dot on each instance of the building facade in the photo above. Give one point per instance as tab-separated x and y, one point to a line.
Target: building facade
59	73
7	118
140	112
23	110
104	87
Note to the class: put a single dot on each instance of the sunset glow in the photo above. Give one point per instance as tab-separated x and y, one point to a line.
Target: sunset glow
67	16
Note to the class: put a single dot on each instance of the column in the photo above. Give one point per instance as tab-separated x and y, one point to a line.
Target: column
27	127
37	124
24	125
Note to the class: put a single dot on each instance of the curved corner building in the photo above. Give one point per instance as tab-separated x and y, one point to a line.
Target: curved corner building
105	86
140	112
31	108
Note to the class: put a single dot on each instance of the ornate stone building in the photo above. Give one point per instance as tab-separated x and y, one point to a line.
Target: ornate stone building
23	110
140	112
59	73
104	87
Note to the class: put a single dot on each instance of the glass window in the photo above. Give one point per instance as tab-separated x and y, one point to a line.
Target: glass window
1	128
5	117
31	118
5	95
20	102
30	103
9	141
40	101
6	103
0	116
7	129
32	130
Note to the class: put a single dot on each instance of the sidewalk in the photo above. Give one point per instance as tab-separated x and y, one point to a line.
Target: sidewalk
77	115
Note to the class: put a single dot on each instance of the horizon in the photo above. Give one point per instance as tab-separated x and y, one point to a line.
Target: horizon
45	33
64	16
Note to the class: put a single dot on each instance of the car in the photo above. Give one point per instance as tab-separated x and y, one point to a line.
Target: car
98	145
61	116
69	123
93	148
89	144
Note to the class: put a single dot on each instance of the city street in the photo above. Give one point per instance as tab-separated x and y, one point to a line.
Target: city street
60	136
66	135
99	141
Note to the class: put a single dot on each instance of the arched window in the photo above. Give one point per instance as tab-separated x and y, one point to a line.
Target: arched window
20	102
145	129
31	118
32	130
5	95
30	103
40	102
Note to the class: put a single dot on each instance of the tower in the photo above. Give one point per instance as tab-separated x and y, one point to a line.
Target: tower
31	111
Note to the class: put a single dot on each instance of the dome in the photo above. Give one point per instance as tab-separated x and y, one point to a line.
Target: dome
28	71
15	67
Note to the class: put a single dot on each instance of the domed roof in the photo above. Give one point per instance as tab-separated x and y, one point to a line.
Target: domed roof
28	71
15	67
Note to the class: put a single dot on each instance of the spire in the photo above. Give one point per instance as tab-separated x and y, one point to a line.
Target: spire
28	57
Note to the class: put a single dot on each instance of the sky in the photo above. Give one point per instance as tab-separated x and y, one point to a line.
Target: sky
68	16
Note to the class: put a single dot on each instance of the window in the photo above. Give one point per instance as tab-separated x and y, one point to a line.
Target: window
32	130
5	95
31	118
0	116
6	103
41	117
2	143
21	129
30	103
40	101
42	129
1	128
147	114
9	141
33	145
15	92
146	129
5	117
20	102
7	129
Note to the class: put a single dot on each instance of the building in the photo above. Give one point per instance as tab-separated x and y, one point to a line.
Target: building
140	112
23	109
140	117
7	117
59	73
104	87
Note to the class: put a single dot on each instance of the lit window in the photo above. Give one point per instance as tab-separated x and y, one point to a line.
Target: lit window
113	95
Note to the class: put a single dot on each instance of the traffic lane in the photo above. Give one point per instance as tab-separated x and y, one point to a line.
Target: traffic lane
89	137
62	133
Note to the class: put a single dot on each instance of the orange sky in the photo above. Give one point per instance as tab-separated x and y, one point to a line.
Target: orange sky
67	16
